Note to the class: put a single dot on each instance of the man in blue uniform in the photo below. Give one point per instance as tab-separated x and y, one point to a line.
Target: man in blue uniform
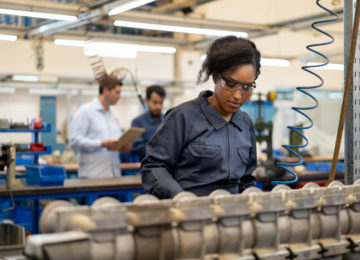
150	119
208	143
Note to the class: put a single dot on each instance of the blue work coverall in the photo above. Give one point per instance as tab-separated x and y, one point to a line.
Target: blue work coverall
196	150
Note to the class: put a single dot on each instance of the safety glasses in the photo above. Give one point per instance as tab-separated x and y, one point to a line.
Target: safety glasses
234	85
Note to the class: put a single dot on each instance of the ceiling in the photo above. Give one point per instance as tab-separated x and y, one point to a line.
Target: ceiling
280	28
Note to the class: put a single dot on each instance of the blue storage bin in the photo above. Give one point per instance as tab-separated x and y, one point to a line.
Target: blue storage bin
23	161
323	166
45	175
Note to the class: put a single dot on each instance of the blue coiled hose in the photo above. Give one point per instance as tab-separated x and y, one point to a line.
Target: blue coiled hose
304	89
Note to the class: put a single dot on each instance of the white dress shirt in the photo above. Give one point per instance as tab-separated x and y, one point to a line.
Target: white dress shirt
91	125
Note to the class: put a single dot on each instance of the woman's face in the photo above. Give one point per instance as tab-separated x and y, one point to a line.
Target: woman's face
229	96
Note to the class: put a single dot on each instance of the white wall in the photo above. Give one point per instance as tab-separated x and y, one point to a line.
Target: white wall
69	61
18	57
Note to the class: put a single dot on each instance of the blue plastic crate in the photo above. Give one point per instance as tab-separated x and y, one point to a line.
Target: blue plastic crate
45	175
323	166
23	160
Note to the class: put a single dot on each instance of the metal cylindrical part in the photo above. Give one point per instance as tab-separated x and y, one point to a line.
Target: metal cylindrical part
197	239
148	243
230	234
299	230
48	219
265	233
102	251
248	233
79	222
315	226
104	202
329	225
284	228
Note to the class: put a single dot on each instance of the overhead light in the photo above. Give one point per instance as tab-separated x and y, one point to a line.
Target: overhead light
48	78
46	92
53	27
74	43
112	50
109	49
51	91
27	78
274	62
112	8
50	16
125	5
7	90
329	66
180	29
335	95
90	92
8	37
151	48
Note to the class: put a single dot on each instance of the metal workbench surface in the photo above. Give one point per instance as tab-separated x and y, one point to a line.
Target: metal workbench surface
76	185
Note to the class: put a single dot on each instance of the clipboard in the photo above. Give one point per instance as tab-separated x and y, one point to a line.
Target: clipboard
130	135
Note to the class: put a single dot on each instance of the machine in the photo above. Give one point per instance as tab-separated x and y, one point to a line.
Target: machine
310	223
7	159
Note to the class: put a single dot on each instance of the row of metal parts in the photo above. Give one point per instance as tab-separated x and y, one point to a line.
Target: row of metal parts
310	223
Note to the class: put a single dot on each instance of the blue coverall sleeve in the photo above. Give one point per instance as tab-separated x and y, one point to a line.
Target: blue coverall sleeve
162	153
248	179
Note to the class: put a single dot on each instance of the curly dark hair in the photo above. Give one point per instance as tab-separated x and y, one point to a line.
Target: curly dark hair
227	53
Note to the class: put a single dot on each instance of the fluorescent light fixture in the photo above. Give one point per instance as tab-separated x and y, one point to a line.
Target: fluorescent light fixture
51	91
329	66
50	16
335	95
274	62
7	90
74	43
55	26
109	49
127	5
48	78
150	48
180	29
112	50
27	78
8	37
90	92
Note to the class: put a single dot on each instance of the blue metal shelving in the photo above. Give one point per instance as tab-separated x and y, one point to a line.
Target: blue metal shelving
46	151
46	128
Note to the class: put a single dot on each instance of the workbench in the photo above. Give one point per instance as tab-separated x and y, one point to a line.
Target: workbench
72	168
124	188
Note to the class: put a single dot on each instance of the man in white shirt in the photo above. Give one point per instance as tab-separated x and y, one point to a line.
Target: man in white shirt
95	132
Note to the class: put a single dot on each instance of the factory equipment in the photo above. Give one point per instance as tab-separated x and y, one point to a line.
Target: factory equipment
263	128
311	223
7	158
12	239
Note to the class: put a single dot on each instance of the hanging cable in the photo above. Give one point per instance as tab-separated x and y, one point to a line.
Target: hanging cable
304	89
121	74
96	62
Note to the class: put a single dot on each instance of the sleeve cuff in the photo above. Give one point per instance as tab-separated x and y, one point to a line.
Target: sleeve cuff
95	143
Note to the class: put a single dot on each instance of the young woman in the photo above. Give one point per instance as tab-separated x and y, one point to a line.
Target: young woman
208	143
